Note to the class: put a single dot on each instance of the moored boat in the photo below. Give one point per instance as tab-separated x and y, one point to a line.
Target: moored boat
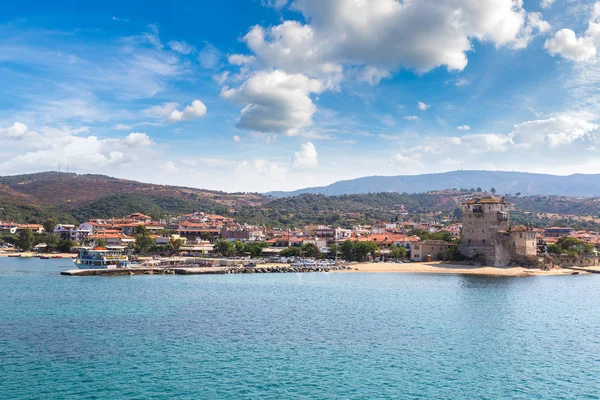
102	258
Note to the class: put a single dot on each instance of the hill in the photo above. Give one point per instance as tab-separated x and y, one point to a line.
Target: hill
503	182
73	197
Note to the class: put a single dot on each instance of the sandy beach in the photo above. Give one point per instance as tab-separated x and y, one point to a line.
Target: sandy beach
445	268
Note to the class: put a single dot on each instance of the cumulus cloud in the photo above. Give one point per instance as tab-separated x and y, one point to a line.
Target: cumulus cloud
486	143
584	48
367	33
306	157
46	147
463	128
195	110
17	130
422	106
566	44
275	101
556	131
138	139
237	139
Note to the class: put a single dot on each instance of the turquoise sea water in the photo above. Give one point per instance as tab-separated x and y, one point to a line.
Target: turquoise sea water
281	336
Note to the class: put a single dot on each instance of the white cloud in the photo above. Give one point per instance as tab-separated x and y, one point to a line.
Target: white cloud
181	47
169	167
422	106
546	3
370	33
486	143
276	4
463	128
221	78
209	57
195	110
122	127
160	111
240	59
306	157
275	101
138	139
411	118
566	44
387	120
237	139
17	130
584	48
43	149
556	131
372	75
251	169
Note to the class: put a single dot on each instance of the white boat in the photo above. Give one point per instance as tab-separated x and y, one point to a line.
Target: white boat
102	258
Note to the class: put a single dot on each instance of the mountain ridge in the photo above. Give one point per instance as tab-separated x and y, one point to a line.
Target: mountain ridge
505	182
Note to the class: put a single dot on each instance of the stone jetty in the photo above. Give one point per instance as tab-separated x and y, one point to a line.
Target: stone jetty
275	269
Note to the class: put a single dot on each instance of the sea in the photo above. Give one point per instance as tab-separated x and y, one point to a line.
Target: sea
296	336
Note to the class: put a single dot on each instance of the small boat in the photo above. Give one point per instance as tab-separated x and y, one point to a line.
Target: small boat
56	256
14	255
44	257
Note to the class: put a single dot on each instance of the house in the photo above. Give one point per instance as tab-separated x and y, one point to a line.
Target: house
35	228
429	249
558	232
113	238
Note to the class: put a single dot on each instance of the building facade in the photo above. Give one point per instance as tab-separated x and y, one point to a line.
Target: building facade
488	236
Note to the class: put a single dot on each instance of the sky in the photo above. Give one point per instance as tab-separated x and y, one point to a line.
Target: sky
260	95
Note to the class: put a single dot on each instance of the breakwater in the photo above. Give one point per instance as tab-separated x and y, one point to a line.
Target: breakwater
204	270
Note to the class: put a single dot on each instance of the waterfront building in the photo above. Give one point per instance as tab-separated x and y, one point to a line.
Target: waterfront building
488	236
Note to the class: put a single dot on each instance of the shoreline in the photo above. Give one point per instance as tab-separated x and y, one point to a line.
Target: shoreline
439	267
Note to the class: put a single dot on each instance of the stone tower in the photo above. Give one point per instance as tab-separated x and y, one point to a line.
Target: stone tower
488	236
482	218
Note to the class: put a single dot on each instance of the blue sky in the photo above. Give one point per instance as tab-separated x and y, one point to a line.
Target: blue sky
277	95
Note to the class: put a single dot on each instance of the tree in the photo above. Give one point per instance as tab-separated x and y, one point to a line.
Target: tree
25	239
140	230
64	246
479	189
334	250
224	248
310	250
293	251
101	243
47	238
457	213
239	247
50	224
493	190
399	252
143	241
347	250
255	248
176	243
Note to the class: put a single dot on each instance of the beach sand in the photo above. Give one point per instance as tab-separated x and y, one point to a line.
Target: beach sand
446	268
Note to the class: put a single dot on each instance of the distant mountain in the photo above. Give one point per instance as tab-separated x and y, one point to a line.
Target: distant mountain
504	182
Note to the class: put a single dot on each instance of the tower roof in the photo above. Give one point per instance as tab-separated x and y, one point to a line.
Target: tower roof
486	200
